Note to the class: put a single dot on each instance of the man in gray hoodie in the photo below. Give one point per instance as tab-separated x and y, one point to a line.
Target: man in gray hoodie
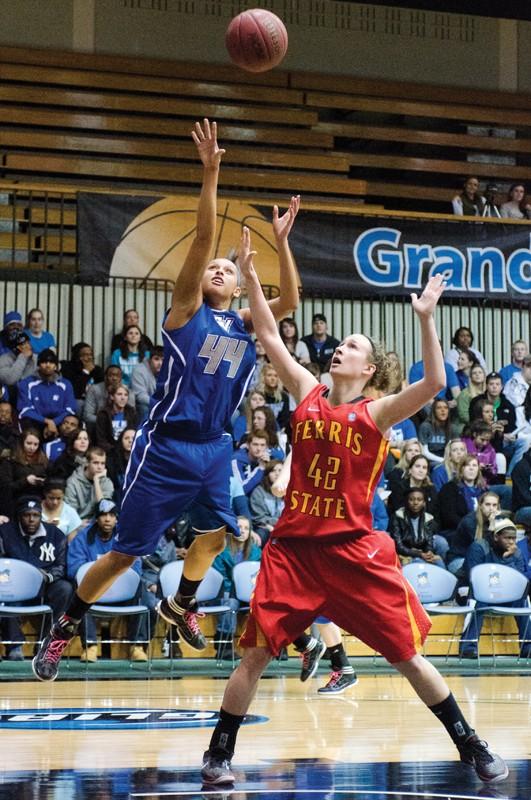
144	380
89	484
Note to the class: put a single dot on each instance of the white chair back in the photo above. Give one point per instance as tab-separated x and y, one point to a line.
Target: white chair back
124	587
431	583
497	583
208	589
18	580
244	577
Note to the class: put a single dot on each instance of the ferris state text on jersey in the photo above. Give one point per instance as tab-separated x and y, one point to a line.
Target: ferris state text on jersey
338	457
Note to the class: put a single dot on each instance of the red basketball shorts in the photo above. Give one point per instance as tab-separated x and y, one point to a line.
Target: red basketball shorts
357	583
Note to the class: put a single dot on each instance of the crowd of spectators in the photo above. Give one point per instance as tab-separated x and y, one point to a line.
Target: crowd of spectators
67	429
471	203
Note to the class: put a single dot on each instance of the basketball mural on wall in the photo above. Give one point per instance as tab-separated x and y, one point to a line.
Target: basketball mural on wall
155	243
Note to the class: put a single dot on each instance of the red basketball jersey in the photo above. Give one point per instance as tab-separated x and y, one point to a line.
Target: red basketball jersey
338	457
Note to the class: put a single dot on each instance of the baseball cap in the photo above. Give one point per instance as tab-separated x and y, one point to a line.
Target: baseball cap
12	316
318	318
106	507
501	524
47	355
493	375
29	504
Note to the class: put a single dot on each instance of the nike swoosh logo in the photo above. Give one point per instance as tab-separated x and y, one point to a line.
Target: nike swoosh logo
371	555
311	408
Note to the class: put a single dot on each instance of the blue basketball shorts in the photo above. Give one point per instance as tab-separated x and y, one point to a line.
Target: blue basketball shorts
164	478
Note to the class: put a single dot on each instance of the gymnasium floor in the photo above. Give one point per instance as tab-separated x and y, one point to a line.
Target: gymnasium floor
145	739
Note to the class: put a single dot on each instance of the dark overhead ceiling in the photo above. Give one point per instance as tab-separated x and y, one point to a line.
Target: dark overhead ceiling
508	9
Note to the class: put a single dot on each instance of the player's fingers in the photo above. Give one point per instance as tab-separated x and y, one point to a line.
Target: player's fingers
414	297
206	124
199	131
196	138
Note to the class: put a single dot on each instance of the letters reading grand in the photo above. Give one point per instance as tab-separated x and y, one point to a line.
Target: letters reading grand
222	348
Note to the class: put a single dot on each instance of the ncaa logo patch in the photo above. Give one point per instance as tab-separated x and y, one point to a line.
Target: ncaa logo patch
83	719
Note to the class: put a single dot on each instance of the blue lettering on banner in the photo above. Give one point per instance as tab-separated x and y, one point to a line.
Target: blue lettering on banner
109	719
382	261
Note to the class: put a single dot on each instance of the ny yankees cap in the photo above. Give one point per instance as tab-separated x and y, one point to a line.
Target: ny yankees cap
29	504
106	507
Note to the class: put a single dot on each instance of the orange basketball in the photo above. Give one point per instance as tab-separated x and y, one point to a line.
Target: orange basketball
256	40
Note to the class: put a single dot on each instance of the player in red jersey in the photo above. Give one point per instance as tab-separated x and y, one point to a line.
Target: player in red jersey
323	557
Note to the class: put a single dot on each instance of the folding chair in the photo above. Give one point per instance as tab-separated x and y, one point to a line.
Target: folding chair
434	587
498	583
20	581
244	578
123	589
209	589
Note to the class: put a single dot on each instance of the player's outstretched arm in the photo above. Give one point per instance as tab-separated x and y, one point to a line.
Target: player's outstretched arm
187	295
387	411
295	378
288	299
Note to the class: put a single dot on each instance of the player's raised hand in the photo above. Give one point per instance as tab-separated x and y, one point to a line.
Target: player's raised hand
424	305
205	138
282	225
246	254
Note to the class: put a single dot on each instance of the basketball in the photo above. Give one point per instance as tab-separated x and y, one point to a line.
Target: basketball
256	40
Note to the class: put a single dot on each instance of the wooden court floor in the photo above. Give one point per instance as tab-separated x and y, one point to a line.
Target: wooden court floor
101	740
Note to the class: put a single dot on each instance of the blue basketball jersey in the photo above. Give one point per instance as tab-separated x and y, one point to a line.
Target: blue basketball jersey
207	366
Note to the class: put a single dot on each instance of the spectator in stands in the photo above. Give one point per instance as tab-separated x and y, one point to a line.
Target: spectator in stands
499	547
276	398
12	324
56	511
450	391
114	418
416	475
474	526
409	449
45	399
516	388
131	317
40	339
131	352
90	543
504	410
463	340
320	344
465	361
16	360
144	380
98	395
249	464
266	508
436	431
236	552
484	412
118	459
26	467
55	447
261	359
9	433
523	431
89	484
81	371
477	386
521	499
413	530
524	545
263	419
479	445
242	423
289	333
74	455
454	453
460	495
470	202
517	205
519	350
30	539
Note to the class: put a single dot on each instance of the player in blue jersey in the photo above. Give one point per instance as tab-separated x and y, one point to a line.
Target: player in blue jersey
181	456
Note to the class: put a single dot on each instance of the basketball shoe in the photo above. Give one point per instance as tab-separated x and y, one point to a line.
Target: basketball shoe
310	660
185	620
216	769
45	665
339	681
490	767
